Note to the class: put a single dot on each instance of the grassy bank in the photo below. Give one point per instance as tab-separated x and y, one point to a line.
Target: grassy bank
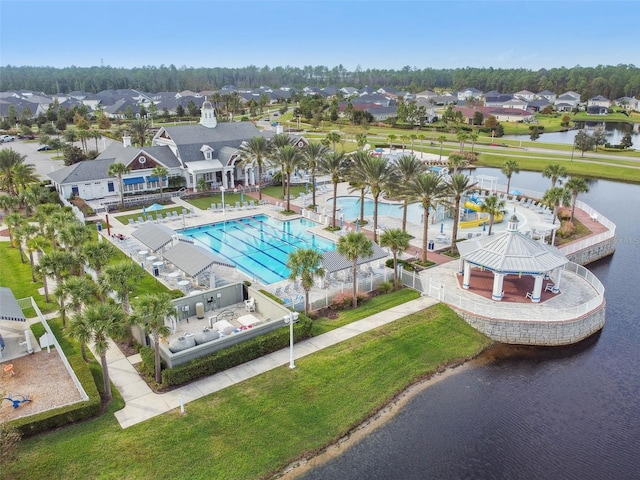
257	427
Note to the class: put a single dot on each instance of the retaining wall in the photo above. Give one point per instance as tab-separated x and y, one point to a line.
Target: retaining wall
594	252
538	332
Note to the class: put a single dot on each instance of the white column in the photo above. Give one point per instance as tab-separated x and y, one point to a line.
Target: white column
233	179
461	264
498	279
252	176
537	288
556	282
225	183
246	177
467	276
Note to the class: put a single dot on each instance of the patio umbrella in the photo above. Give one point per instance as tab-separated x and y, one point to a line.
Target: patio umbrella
515	192
442	228
357	225
154	207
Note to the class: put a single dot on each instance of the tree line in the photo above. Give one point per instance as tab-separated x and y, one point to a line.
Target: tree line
608	80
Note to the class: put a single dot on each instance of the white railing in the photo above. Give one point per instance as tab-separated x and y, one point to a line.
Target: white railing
76	211
594	214
512	311
28	302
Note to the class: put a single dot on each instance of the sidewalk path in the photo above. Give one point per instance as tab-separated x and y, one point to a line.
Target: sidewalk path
142	403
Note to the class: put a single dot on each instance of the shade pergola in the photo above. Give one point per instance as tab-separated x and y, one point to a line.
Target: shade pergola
512	253
9	308
154	236
332	261
192	259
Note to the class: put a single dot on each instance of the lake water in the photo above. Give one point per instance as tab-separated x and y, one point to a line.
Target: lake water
525	412
613	130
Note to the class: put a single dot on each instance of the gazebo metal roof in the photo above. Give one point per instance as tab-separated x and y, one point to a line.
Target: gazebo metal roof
154	236
511	252
192	259
9	308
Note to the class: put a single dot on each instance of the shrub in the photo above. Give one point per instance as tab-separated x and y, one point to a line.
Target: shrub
567	229
9	439
385	287
564	213
342	300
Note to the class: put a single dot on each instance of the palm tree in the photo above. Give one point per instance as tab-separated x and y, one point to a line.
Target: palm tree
150	311
98	254
352	246
104	321
508	169
23	234
305	263
390	139
23	175
428	188
333	164
139	128
289	158
73	235
456	161
494	207
122	278
474	138
8	203
457	186
14	221
278	142
333	137
9	158
462	137
35	244
576	185
354	174
80	330
377	175
404	169
256	151
441	140
398	241
57	264
554	197
312	154
555	172
117	170
160	173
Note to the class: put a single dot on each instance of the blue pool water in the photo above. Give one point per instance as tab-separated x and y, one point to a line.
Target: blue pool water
259	245
350	207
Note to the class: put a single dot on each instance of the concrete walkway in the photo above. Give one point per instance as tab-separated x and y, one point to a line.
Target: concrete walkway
142	403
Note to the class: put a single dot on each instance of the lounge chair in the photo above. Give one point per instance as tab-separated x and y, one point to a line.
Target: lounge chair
238	206
174	215
159	218
218	207
132	223
252	204
140	220
212	207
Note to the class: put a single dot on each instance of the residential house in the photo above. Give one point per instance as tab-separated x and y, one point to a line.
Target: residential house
629	103
501	114
515	103
525	95
549	95
599	101
468	93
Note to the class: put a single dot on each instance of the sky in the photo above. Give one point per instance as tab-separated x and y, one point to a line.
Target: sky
365	34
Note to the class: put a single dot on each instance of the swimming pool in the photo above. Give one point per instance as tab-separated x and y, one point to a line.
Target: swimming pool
259	246
350	207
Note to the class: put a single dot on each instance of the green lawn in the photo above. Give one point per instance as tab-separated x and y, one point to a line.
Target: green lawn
254	429
17	276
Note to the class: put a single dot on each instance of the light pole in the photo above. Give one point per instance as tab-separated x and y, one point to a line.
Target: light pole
291	318
222	190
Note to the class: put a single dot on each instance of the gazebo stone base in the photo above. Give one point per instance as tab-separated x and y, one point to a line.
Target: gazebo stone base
542	332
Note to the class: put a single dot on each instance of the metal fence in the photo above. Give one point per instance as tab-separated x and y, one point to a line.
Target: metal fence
29	302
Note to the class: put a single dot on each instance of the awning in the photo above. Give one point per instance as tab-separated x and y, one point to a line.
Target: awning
9	308
332	261
154	179
132	181
192	259
153	235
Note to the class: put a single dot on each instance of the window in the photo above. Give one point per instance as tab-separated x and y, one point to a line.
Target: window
110	187
74	190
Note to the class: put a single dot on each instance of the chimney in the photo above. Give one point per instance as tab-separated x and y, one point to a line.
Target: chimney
126	141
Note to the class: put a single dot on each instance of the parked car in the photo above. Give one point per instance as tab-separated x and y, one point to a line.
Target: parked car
44	148
6	138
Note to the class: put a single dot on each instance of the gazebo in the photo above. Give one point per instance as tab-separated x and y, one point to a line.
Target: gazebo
512	253
153	236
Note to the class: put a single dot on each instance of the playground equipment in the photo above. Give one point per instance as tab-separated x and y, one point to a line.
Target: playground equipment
17	400
475	204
